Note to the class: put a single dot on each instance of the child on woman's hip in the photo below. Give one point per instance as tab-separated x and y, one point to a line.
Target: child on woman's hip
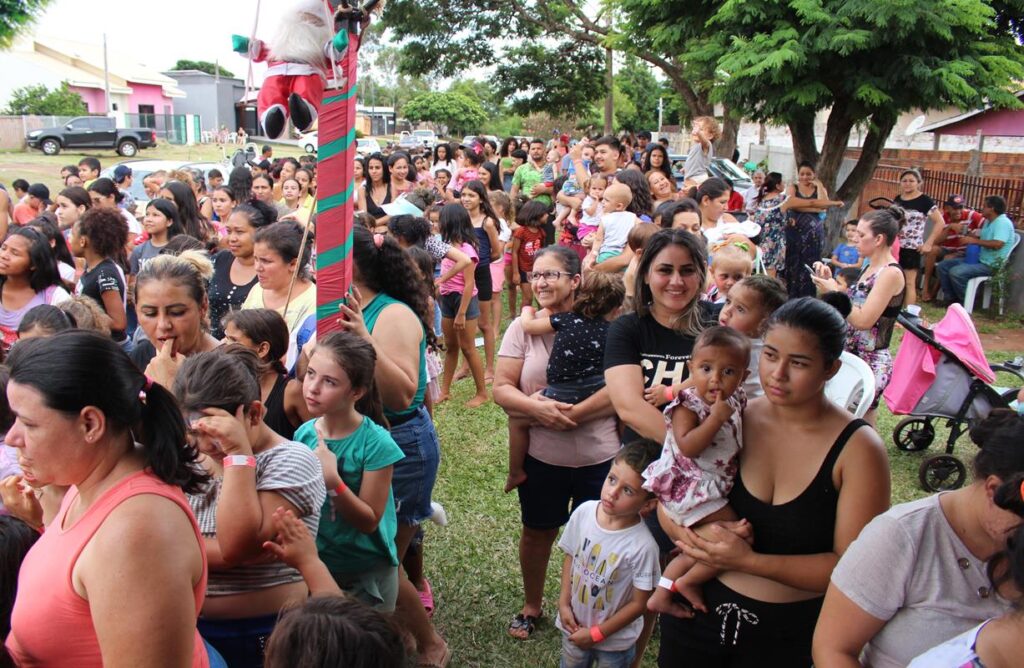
698	463
576	365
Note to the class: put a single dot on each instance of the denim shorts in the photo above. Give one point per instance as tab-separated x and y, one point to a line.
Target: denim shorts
574	657
412	480
450	306
551	493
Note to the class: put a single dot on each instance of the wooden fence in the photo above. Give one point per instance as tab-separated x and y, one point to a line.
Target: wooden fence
940	185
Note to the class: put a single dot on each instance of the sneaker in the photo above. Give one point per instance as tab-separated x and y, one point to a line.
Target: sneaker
438	516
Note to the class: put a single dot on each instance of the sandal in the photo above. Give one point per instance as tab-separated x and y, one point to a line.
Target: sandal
523	623
427	598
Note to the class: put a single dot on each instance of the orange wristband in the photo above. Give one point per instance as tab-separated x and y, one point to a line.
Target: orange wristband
337	490
595	634
669	394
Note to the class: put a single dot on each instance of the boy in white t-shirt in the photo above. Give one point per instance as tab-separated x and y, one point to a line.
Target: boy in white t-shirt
610	568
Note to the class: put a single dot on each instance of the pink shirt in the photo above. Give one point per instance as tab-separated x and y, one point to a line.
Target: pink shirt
591	442
51	624
457	283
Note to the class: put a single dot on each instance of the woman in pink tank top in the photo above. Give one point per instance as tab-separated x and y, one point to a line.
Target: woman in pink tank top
119	574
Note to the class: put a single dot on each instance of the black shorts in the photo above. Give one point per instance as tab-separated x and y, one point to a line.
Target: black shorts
484	285
740	632
551	493
910	258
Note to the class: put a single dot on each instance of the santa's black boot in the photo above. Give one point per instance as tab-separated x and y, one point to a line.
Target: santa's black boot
274	120
302	112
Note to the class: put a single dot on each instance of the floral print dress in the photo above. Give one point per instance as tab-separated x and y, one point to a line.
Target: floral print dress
691	488
872	344
772	220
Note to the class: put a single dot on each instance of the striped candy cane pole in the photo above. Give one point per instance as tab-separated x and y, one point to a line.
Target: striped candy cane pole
335	203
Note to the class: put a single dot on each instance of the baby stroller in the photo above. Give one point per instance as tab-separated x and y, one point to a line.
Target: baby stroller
941	374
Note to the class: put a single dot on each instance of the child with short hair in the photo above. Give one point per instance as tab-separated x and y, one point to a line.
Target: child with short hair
610	567
591	210
576	364
636	241
616	222
730	264
847	277
695	473
527	239
846	256
747	308
705	132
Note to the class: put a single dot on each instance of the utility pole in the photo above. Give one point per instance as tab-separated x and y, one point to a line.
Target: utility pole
216	95
609	82
106	76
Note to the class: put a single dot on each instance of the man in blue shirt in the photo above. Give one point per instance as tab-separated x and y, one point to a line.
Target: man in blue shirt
996	241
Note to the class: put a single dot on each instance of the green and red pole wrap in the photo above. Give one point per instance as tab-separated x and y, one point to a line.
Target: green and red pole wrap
335	197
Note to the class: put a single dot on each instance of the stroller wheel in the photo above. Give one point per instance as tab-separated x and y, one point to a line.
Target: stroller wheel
913	434
940	473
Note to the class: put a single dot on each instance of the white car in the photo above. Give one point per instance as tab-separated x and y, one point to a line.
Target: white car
143	168
308	142
425	137
367	146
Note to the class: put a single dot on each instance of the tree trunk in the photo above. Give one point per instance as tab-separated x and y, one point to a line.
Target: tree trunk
833	148
726	144
805	146
870	155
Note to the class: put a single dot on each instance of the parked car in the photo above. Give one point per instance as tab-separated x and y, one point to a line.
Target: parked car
308	142
143	168
367	146
723	168
92	132
408	141
425	137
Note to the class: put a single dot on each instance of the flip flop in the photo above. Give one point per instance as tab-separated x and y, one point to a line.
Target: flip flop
427	598
523	622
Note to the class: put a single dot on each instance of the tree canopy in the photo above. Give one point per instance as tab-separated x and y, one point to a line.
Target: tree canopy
456	111
202	66
41	101
561	80
15	15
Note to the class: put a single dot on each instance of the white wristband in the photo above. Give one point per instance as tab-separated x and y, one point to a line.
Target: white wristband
667	583
239	460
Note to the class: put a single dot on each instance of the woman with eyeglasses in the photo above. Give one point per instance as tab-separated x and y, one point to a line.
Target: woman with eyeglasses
571	445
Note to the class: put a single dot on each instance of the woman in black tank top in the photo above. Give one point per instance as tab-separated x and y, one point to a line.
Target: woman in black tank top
877	296
810	478
265	332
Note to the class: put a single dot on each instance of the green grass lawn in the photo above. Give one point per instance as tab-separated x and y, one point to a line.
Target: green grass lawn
473	562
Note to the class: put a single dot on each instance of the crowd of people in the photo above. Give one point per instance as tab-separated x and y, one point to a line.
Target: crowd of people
212	483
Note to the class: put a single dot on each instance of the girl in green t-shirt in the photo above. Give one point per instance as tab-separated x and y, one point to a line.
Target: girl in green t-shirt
356	537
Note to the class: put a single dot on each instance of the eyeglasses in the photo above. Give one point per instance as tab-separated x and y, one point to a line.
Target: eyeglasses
546	275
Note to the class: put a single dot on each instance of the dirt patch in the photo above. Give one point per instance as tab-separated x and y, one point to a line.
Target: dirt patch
1004	340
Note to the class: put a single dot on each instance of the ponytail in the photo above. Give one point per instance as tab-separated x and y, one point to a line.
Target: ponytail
163	437
77	368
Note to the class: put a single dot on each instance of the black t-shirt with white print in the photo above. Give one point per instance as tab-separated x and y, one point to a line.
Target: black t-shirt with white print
661	352
104	277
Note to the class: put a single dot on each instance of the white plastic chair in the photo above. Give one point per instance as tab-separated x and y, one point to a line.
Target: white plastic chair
971	292
853	387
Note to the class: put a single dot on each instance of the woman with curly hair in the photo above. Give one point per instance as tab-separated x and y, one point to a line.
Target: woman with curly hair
390	308
99	238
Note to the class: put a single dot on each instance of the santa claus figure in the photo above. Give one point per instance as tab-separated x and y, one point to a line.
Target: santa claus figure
299	60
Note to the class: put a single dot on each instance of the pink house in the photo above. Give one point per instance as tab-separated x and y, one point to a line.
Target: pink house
134	87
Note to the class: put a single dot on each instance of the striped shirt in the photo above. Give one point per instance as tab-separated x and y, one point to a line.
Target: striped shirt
289	469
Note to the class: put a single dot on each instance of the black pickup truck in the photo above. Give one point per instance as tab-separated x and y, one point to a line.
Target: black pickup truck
92	132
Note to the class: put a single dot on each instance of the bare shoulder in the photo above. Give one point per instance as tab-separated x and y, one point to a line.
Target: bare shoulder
145	524
865	451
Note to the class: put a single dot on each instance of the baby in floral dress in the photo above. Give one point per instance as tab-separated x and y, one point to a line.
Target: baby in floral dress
698	463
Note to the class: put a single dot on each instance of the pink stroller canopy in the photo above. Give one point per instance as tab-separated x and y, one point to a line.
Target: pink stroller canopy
917	363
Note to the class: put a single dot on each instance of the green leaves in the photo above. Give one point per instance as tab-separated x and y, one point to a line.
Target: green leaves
41	101
15	15
454	110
